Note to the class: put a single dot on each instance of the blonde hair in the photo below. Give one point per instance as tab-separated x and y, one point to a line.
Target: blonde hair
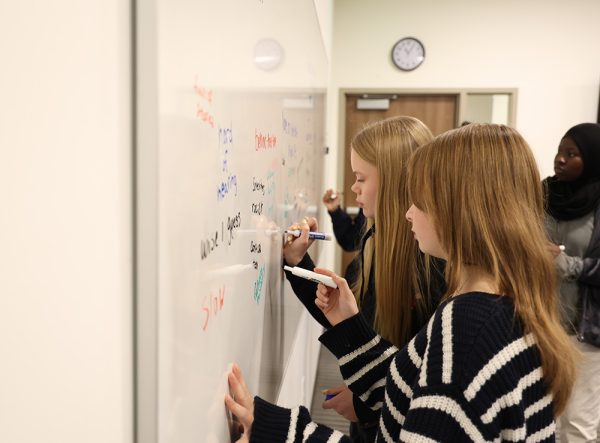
388	144
481	188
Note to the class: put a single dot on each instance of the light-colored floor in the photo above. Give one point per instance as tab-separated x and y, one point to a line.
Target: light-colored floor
328	376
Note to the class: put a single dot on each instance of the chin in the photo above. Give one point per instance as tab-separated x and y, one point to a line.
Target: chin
560	176
424	250
432	252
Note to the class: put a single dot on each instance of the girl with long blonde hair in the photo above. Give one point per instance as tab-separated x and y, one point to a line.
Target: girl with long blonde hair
481	190
395	300
391	252
493	363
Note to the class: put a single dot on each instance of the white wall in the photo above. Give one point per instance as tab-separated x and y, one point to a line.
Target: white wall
548	50
324	10
65	227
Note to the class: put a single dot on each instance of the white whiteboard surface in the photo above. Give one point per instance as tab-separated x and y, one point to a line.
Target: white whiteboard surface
229	154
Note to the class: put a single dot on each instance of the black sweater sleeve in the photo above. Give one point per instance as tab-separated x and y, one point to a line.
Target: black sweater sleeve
364	414
357	346
347	230
306	291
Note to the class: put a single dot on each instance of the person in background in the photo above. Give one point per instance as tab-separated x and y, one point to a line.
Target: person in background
347	230
388	262
573	226
493	363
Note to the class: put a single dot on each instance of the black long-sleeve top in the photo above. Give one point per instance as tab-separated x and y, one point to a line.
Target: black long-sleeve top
347	230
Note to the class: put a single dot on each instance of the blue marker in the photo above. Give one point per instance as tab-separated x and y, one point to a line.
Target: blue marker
311	235
327	396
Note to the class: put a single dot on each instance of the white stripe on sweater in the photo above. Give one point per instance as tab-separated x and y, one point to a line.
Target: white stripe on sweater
365	397
496	363
364	348
542	434
399	381
513	397
414	438
394	412
423	374
385	355
293	421
335	437
514	434
308	430
538	406
453	409
384	432
412	353
447	343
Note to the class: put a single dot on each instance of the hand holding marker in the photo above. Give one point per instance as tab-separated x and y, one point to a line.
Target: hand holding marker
329	396
312	235
331	200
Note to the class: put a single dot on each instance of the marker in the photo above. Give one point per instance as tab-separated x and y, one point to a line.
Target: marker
327	396
335	195
561	247
312	276
312	235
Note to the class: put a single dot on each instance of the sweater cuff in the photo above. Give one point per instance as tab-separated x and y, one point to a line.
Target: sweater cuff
271	422
365	415
348	335
305	263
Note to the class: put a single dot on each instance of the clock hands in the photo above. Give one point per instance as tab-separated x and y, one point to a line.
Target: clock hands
408	53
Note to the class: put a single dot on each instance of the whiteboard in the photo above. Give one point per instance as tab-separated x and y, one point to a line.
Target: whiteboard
229	152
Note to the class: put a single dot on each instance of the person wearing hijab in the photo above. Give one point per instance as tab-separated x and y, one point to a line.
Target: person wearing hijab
573	227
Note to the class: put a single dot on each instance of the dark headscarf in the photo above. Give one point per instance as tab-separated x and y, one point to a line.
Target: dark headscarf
571	200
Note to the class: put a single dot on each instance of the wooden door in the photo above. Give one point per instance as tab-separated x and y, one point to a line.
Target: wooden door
438	112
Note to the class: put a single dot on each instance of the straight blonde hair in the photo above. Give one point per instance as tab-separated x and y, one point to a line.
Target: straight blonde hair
480	186
388	144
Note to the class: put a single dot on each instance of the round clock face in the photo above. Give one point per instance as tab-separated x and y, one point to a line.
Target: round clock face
408	53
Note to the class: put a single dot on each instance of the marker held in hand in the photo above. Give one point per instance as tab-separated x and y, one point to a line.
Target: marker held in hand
312	235
312	276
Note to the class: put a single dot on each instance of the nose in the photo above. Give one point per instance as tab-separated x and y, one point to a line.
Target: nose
354	188
560	159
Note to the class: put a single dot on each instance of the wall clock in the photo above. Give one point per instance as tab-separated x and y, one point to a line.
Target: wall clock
408	54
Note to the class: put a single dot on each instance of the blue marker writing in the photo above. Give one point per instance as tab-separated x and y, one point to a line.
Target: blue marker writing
311	235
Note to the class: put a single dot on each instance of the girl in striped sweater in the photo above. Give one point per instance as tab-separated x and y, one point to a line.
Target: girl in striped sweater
493	363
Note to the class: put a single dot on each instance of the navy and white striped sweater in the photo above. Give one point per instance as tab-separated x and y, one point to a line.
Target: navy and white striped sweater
469	375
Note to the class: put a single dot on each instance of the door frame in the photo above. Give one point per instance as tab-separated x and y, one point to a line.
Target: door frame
460	93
